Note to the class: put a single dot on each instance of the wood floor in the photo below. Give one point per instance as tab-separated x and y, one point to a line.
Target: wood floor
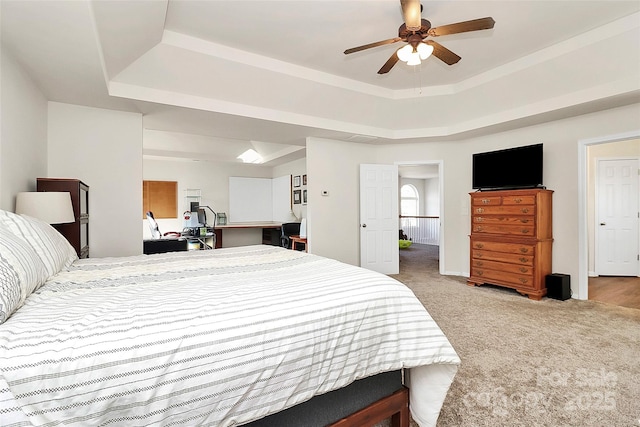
622	291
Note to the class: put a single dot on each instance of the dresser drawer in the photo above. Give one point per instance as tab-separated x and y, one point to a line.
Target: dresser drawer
517	230
504	210
510	248
512	220
488	200
503	277
517	259
526	269
519	200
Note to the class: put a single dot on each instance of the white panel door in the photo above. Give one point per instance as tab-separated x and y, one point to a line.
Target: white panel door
617	218
379	218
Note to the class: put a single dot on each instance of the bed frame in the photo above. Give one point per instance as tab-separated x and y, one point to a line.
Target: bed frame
363	403
395	407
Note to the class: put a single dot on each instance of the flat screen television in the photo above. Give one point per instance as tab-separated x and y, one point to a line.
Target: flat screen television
519	167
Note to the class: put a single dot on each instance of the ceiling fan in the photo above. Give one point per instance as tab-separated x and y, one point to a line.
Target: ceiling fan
415	30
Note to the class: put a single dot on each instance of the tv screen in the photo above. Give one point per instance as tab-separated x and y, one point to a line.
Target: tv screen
519	167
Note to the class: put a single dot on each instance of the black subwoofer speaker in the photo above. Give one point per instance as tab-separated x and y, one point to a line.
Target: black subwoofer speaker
558	286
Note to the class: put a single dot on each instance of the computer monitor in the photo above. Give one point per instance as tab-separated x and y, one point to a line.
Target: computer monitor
202	217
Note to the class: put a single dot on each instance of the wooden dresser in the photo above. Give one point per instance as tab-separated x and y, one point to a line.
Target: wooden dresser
511	239
77	232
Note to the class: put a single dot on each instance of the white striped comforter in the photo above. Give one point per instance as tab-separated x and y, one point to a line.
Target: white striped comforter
212	338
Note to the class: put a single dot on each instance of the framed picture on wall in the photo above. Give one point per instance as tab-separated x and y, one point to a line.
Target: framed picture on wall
304	196
296	181
304	179
297	196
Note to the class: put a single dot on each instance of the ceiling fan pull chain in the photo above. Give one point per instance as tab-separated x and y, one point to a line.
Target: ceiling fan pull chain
418	78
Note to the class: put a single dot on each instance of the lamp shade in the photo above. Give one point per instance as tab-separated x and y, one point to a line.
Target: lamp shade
404	53
424	50
53	207
414	59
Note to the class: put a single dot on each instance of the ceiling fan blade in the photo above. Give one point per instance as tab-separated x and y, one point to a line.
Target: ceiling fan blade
442	53
463	27
390	63
370	45
411	11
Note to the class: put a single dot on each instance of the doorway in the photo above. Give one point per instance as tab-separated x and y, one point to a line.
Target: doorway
588	150
422	220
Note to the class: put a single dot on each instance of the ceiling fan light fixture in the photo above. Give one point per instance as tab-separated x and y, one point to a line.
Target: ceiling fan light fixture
415	59
405	52
424	50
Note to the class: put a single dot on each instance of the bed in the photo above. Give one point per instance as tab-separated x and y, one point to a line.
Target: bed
214	338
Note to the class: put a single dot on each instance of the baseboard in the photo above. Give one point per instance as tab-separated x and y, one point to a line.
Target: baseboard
592	274
456	273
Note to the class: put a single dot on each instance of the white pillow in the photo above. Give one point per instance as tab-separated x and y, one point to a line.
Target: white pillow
21	272
53	248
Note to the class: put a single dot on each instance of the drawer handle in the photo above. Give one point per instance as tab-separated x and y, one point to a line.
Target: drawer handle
479	272
523	259
479	219
477	228
524	250
523	280
479	245
523	270
524	210
479	255
518	200
525	230
524	220
479	210
485	201
479	263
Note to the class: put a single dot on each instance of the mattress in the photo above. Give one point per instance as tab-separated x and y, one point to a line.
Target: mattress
211	338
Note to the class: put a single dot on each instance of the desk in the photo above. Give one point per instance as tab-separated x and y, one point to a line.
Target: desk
270	231
297	239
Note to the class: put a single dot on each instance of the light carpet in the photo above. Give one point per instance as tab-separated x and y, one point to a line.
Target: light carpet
530	363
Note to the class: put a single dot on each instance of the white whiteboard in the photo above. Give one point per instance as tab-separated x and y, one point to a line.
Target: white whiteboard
259	199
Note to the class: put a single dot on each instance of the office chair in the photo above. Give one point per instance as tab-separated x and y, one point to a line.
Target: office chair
288	229
153	225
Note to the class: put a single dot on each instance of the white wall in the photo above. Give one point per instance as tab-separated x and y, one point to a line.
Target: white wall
294	168
560	138
212	178
429	193
622	149
334	224
432	197
23	135
103	148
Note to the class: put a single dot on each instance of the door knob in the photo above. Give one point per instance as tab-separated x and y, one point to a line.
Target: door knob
603	223
364	225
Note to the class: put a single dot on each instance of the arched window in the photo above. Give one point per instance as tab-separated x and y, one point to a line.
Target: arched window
409	201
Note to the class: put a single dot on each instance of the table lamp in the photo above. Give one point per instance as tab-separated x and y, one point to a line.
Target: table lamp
53	207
